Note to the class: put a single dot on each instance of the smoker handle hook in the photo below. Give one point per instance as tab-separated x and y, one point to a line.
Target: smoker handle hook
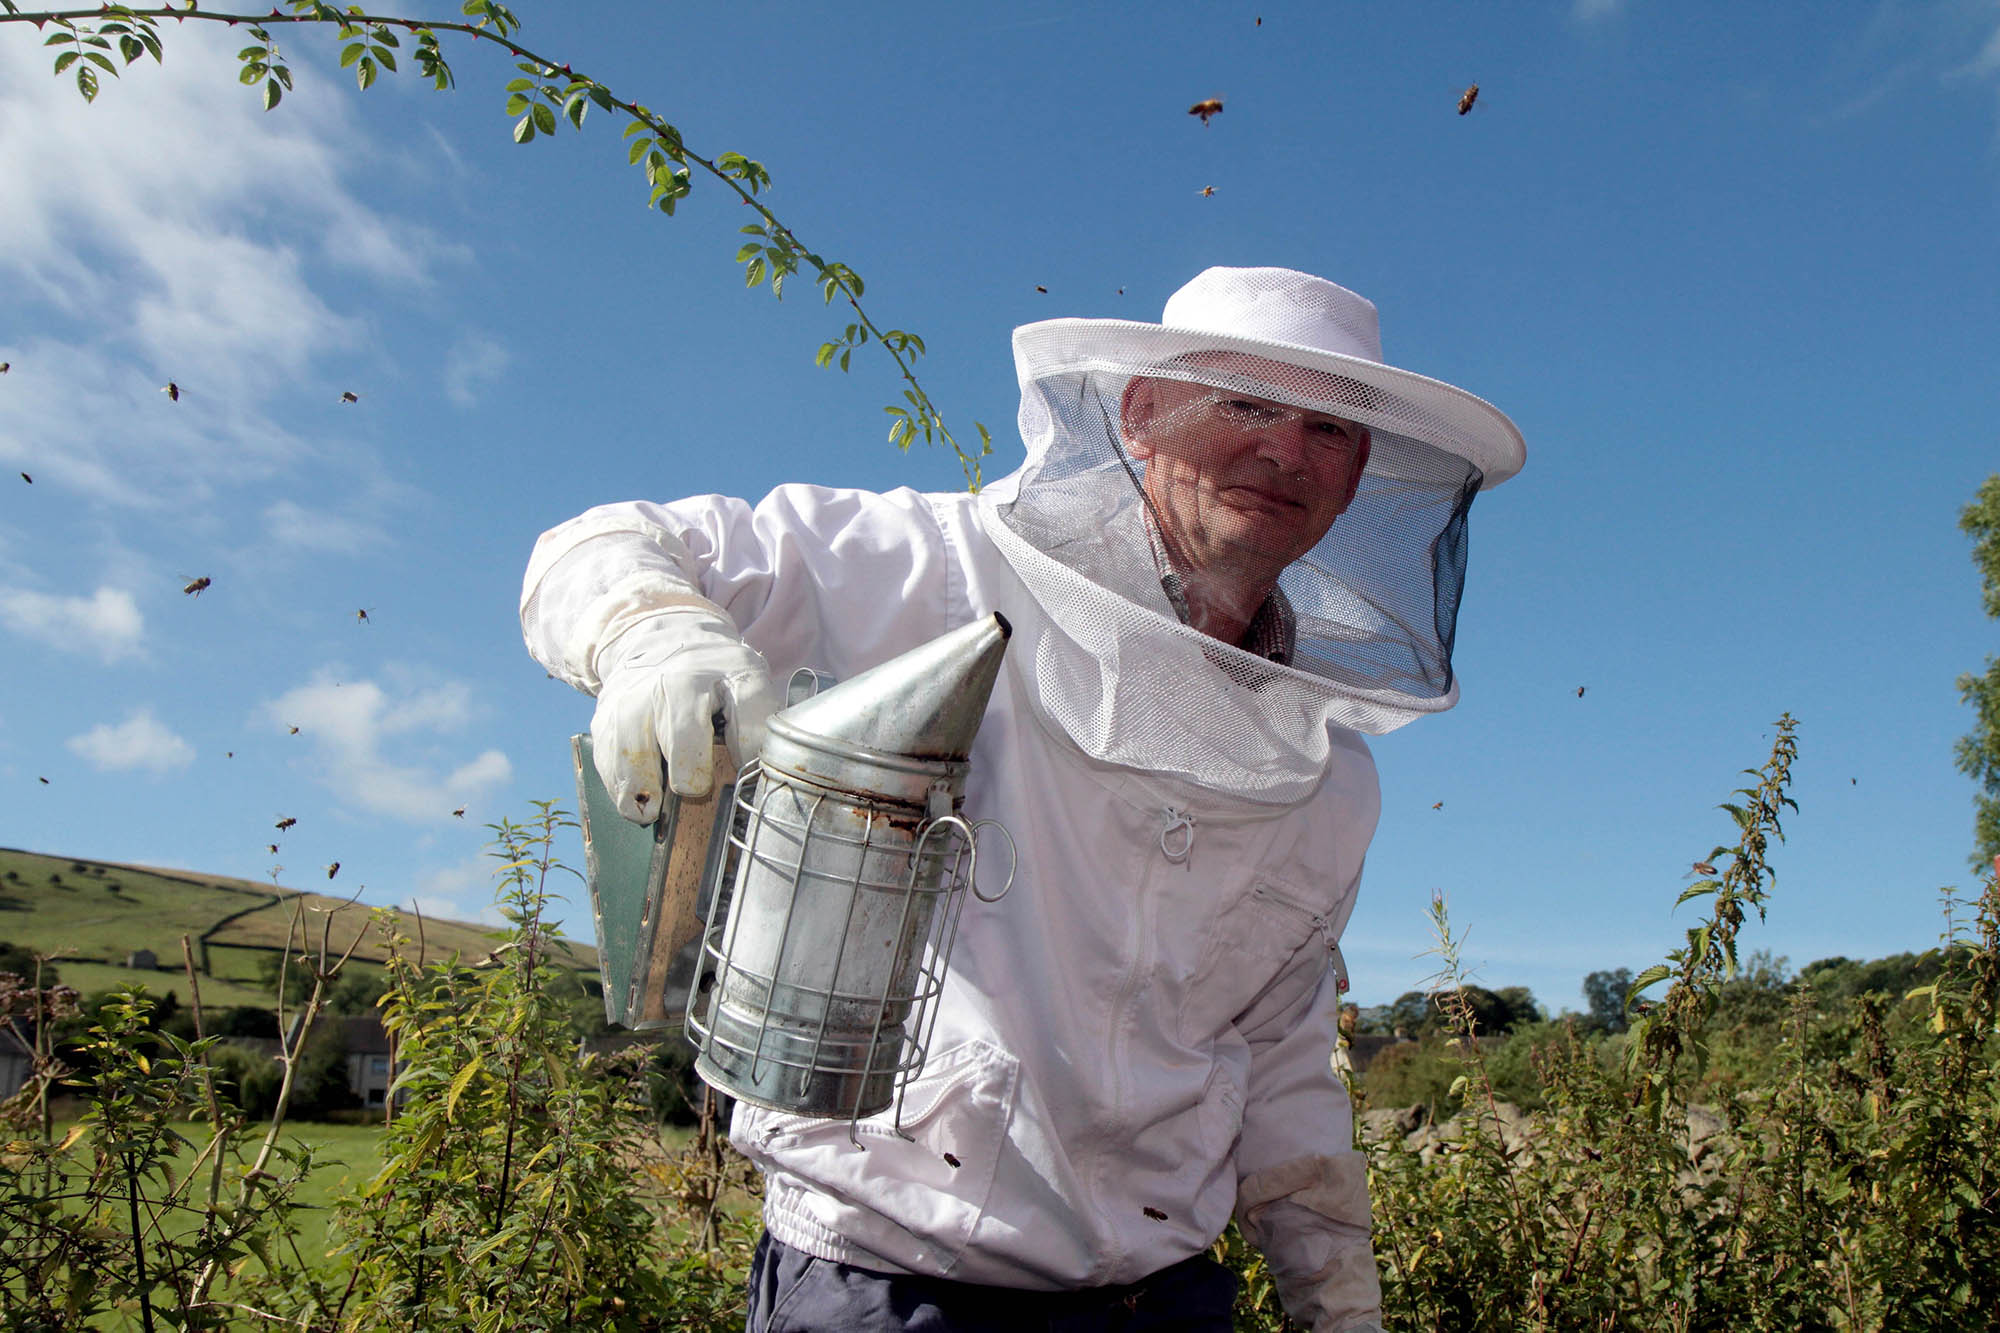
1013	860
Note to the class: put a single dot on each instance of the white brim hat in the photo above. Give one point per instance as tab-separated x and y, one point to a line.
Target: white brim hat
1328	337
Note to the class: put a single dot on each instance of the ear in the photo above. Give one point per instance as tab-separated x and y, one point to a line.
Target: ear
1136	409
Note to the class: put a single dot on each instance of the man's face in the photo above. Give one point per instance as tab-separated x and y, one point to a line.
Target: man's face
1241	486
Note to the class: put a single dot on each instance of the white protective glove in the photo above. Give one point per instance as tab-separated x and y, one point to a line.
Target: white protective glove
663	682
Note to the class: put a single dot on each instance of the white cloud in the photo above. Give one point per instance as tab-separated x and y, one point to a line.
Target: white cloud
139	742
354	726
473	362
106	623
461	892
180	225
291	524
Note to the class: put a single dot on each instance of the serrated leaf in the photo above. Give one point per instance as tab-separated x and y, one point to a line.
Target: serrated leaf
249	74
386	37
1657	972
636	127
517	104
364	73
284	73
388	59
638	150
519	85
545	118
129	48
754	273
778	284
458	1086
602	96
524	128
272	93
575	107
750	248
65	59
351	53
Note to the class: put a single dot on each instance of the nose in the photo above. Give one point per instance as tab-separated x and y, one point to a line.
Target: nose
1281	441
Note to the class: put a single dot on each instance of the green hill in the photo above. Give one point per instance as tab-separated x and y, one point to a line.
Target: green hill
99	913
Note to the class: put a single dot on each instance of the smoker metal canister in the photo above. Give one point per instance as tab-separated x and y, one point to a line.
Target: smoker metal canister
834	928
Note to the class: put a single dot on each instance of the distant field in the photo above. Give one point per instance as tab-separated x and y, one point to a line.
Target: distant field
217	993
98	912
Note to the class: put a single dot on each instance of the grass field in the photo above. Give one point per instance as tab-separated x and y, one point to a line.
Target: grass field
95	912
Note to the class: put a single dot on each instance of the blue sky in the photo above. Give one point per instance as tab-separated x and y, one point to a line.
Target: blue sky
1732	270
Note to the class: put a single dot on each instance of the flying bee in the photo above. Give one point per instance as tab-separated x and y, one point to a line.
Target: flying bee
1470	96
285	823
1211	107
1438	806
271	847
195	587
294	731
6	366
1207	190
25	477
1154	1213
1580	689
172	391
1043	290
952	1162
43	781
349	396
361	617
333	869
458	813
1703	868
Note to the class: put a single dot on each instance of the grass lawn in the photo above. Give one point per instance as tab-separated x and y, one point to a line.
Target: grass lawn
217	993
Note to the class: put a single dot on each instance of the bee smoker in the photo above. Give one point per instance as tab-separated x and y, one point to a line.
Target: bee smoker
845	870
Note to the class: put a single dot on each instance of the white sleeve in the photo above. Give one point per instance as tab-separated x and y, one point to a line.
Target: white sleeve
834	579
1302	1188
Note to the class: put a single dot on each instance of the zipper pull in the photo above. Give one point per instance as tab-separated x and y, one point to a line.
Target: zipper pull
1177	838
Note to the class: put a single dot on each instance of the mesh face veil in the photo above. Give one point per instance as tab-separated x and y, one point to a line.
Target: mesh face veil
1239	527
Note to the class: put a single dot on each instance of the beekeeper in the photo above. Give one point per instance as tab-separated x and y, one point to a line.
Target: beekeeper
1236	545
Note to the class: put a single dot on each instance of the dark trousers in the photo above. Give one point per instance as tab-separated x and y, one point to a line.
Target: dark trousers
792	1292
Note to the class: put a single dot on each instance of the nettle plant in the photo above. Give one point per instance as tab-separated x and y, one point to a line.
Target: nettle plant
544	94
1854	1186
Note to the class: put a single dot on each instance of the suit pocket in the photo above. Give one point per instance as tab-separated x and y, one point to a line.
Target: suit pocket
929	1183
1253	941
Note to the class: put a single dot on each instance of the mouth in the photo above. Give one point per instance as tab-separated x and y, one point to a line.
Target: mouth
1256	497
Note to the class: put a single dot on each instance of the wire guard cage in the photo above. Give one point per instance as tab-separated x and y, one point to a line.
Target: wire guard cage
827	944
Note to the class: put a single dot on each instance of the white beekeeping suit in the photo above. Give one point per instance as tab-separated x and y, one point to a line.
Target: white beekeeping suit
1237	542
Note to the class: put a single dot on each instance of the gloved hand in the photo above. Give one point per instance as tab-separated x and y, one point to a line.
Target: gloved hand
664	680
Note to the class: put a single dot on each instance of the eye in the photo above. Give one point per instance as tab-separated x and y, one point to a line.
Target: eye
1332	433
1243	409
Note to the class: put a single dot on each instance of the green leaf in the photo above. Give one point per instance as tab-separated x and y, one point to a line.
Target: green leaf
602	96
574	107
387	58
284	73
350	53
824	357
386	38
86	83
524	128
636	127
100	60
250	73
458	1085
754	274
545	118
272	93
364	74
1656	973
520	85
638	150
67	58
749	249
130	48
778	284
517	104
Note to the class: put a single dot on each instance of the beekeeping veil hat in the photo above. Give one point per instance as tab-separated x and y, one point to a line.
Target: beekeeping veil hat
1170	465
